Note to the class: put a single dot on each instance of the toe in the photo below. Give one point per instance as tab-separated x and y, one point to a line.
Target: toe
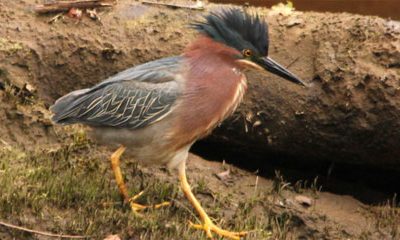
227	234
209	228
132	199
163	204
137	207
204	227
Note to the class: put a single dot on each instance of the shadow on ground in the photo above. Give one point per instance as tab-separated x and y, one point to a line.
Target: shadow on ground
369	185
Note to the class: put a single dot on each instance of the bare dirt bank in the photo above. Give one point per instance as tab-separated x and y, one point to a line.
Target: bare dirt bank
350	114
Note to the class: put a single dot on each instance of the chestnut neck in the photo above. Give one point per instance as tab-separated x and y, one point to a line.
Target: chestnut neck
204	47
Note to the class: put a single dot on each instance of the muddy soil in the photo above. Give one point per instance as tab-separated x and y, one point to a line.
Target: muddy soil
40	61
349	114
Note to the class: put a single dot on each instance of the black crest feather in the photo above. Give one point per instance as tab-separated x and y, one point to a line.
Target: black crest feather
236	29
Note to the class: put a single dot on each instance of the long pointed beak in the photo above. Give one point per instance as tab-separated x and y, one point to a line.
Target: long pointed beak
271	66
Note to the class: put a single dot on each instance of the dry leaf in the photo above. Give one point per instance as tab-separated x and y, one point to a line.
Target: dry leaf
75	13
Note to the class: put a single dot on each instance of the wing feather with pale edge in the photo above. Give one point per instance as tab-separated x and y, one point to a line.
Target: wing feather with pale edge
132	99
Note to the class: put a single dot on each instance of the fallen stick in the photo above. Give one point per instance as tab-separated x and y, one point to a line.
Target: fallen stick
42	233
56	18
63	6
194	7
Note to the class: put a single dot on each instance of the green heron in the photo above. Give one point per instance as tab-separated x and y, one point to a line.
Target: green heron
160	108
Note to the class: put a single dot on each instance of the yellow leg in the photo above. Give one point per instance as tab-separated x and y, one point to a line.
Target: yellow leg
207	225
115	162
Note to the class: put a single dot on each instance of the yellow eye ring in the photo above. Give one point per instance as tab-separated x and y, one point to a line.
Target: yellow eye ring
247	53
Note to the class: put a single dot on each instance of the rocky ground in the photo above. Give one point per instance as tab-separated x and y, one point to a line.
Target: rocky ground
56	180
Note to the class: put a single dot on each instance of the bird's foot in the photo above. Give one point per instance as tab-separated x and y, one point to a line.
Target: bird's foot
208	226
136	207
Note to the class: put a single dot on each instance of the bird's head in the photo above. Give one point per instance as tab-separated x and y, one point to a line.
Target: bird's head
248	34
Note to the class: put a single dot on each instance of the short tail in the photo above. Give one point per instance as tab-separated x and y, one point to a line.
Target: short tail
63	108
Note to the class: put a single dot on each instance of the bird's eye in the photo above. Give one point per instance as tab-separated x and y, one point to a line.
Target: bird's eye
247	53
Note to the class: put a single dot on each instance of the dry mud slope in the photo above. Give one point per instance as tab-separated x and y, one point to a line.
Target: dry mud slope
349	114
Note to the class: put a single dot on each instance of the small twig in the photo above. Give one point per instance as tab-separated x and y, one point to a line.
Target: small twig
174	5
42	233
64	6
56	18
293	62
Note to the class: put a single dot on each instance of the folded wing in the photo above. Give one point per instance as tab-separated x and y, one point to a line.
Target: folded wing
132	99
